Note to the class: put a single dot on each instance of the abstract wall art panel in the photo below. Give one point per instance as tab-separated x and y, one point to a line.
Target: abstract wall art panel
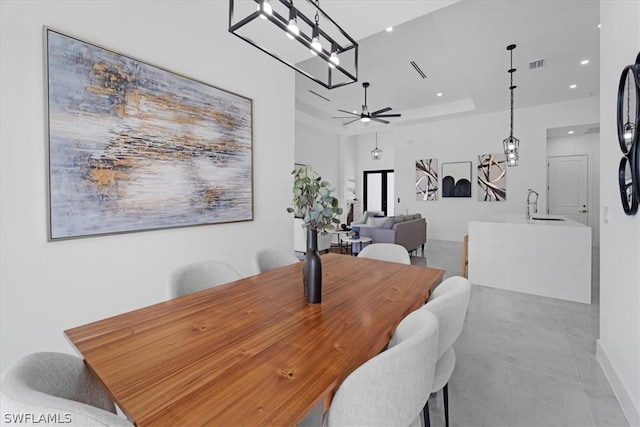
134	147
456	179
492	177
427	179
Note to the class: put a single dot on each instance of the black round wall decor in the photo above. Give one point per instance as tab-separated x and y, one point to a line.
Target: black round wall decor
628	118
627	197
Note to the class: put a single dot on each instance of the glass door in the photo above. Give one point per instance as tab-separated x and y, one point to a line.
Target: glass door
378	191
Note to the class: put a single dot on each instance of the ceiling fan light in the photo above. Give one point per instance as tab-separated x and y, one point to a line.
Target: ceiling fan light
265	9
365	119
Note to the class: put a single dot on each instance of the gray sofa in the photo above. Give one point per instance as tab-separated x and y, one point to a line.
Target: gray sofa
409	231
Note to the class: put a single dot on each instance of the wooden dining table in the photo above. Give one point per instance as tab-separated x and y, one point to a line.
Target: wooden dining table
253	351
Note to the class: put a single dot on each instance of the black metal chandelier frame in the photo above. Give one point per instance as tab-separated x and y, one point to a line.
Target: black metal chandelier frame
306	40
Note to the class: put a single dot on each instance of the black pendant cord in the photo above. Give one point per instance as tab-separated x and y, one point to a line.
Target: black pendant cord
512	87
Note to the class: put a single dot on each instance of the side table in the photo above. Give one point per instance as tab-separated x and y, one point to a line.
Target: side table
356	245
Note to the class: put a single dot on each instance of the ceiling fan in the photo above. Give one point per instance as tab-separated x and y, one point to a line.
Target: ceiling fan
365	116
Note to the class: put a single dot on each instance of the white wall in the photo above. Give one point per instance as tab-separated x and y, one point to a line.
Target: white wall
49	287
463	139
583	145
619	343
320	150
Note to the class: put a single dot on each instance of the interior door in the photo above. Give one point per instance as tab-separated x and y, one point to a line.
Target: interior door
568	187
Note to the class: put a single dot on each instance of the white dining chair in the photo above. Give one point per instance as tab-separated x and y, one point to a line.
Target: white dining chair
198	276
270	259
449	302
390	389
386	252
58	386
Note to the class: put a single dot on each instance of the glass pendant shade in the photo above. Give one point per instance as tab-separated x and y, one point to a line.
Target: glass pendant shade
511	145
513	159
376	153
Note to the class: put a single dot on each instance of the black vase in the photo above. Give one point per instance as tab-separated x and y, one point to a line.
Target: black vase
312	269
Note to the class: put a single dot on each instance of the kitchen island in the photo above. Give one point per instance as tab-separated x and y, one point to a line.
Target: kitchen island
547	255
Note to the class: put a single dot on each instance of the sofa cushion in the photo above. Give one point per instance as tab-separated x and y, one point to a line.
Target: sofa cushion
376	222
400	218
389	223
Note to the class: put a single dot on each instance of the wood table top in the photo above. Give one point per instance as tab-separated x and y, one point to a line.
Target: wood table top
251	352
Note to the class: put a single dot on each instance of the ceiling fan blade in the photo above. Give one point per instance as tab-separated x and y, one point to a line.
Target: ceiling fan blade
342	117
349	112
380	120
387	115
354	120
375	113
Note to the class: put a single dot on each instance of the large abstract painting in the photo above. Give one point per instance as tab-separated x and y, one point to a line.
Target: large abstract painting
427	179
456	179
492	177
135	147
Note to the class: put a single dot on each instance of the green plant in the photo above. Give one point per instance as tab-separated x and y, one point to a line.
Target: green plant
312	200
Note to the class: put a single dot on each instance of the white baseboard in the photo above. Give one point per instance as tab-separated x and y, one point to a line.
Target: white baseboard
626	402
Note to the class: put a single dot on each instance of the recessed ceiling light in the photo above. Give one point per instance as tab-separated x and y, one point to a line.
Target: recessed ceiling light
389	29
439	94
599	26
570	132
573	86
584	62
355	112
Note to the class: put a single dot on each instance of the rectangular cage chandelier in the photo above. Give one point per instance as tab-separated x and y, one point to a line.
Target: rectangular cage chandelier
300	35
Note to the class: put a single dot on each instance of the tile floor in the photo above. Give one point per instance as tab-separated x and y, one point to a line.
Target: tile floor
524	360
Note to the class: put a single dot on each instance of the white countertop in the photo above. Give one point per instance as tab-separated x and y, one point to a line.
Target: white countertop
521	219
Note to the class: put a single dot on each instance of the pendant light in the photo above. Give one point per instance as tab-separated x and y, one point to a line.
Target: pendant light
376	153
293	30
511	144
335	53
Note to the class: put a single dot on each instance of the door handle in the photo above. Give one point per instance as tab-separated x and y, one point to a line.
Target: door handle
584	209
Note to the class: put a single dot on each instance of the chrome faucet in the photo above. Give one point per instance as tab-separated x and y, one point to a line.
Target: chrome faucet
530	203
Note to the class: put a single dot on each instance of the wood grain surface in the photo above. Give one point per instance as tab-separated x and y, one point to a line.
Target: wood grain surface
251	352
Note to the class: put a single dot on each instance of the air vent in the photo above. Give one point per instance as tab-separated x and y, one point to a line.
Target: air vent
417	67
592	130
536	64
319	96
